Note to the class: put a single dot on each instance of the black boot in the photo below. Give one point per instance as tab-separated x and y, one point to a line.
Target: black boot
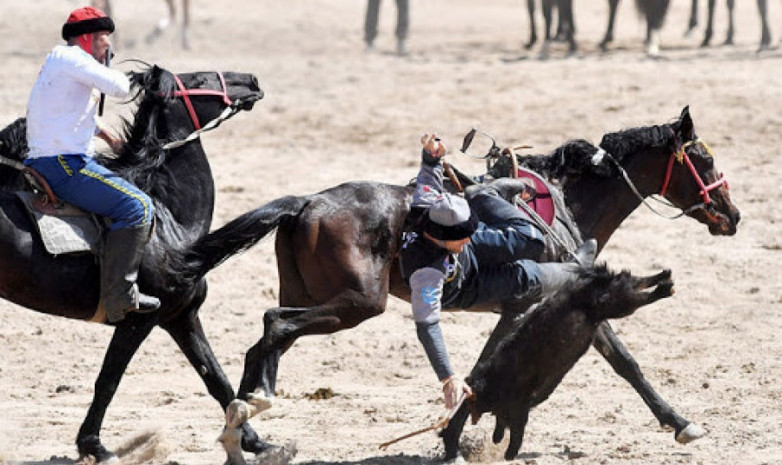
507	188
554	276
119	292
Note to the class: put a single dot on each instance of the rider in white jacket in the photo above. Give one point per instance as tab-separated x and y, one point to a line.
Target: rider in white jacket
61	125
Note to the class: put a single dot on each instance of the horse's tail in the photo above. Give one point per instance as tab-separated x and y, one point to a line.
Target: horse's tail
209	251
653	11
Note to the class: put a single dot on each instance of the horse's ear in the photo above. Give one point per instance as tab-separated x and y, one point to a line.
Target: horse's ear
686	126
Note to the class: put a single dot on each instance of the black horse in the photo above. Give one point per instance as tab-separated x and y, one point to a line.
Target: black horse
336	250
179	180
765	32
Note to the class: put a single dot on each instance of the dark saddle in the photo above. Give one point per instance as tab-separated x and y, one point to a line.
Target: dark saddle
63	228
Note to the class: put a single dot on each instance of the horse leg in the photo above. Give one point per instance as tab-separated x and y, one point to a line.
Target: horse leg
765	36
128	336
548	18
283	325
453	431
186	24
729	35
612	349
609	35
566	11
533	35
709	25
188	333
693	23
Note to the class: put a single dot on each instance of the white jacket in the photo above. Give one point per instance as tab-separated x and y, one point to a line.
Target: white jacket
61	111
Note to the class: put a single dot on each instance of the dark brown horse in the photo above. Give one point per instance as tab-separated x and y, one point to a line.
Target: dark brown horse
180	182
337	249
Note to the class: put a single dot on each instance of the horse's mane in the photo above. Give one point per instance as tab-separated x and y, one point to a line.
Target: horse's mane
142	153
13	140
575	157
620	144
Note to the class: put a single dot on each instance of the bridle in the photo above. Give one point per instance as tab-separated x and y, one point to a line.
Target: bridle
184	93
683	158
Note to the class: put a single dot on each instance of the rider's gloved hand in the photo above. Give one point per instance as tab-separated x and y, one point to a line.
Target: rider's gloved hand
453	389
433	149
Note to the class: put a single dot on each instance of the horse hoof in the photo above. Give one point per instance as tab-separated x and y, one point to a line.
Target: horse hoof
237	413
260	401
278	455
690	433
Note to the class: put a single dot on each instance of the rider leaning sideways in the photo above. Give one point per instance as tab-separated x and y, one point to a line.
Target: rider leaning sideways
462	253
61	123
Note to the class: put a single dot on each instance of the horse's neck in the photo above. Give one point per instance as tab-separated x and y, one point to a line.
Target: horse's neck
186	187
600	205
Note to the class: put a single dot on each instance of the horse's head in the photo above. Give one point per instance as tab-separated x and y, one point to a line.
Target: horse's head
202	97
173	110
693	183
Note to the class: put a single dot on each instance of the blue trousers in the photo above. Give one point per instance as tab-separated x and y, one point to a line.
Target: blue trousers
79	180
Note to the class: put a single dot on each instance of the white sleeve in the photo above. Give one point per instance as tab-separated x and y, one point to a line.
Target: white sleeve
109	81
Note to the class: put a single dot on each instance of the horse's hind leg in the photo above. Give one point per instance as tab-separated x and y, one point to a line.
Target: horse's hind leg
612	349
765	37
282	326
533	35
693	22
729	35
128	336
609	34
709	25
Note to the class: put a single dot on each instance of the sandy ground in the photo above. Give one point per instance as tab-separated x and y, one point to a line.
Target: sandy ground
334	113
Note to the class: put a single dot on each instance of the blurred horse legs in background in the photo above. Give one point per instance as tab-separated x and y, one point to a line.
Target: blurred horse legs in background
165	21
765	33
565	24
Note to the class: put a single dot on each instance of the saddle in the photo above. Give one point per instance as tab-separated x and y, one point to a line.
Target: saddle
542	202
62	227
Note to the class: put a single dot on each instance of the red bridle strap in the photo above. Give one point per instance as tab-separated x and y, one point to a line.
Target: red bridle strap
186	93
682	157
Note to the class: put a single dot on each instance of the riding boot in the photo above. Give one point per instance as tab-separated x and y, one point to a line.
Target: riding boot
554	276
122	255
492	202
507	188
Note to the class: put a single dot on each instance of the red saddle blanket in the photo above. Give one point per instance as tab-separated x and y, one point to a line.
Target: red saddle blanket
542	203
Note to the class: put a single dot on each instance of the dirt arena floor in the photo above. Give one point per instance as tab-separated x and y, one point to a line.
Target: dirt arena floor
334	113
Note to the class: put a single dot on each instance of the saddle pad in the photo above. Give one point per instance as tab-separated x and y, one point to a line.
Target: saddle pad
542	203
63	233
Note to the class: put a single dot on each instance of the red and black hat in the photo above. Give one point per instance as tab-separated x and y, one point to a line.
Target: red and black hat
86	20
